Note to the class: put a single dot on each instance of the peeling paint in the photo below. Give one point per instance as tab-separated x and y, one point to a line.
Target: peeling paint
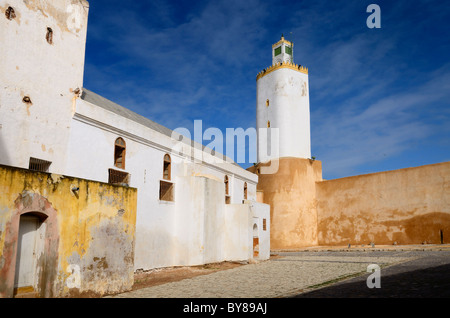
93	232
67	17
55	178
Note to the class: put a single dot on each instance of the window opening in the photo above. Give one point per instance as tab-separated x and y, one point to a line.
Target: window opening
10	13
278	51
119	153
118	177
288	50
39	164
167	167
227	191
49	36
226	185
166	191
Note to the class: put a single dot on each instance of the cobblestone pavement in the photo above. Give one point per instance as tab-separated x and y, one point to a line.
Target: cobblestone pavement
427	275
320	273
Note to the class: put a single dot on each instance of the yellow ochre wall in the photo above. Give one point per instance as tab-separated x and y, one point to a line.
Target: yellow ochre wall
290	192
405	206
89	238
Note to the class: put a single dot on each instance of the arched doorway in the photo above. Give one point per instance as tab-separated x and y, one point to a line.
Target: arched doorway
30	245
30	253
255	241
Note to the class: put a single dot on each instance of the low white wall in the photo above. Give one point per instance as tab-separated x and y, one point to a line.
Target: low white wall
238	234
199	221
207	230
261	212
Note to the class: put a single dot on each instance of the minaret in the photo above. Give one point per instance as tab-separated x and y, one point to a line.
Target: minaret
282	102
286	175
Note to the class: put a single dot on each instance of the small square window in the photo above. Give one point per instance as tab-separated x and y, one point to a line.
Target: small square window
118	177
166	191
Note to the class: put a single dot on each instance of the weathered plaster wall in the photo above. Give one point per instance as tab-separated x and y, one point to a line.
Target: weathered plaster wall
199	226
260	213
167	233
407	206
290	192
208	230
48	74
287	92
89	232
238	221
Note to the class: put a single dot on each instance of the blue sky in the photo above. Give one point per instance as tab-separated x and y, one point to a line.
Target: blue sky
379	98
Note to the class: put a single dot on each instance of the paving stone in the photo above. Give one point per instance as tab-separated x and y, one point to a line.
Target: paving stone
301	274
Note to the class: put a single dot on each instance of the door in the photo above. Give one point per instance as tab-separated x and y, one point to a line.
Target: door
26	254
255	241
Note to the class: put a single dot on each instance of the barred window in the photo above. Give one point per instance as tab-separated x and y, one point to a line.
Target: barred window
118	177
166	191
39	164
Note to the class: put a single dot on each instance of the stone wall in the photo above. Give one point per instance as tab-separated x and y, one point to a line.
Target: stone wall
290	192
405	206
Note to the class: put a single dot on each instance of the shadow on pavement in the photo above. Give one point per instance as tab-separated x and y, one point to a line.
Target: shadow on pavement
432	282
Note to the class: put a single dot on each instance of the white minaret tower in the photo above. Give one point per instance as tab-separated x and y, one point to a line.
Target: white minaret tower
282	102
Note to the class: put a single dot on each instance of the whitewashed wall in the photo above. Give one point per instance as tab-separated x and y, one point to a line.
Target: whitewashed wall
46	73
188	231
260	212
288	93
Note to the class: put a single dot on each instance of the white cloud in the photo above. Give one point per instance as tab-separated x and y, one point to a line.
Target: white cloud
367	102
381	128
